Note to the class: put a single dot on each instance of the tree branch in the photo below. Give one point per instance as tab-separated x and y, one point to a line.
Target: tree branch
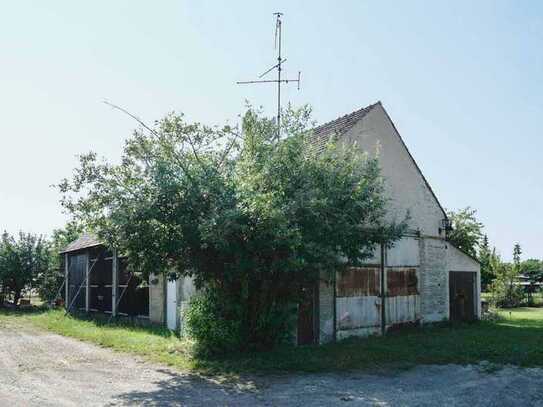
136	118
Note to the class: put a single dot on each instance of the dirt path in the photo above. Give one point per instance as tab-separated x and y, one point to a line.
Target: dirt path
43	369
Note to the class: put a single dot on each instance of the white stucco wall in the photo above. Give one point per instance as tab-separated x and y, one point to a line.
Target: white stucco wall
404	253
434	280
405	186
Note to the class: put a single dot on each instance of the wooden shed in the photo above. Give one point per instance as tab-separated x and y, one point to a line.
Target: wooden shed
98	280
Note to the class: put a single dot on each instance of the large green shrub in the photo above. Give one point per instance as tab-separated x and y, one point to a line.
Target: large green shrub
216	323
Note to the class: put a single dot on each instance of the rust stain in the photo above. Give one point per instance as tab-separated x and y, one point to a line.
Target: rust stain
358	282
402	282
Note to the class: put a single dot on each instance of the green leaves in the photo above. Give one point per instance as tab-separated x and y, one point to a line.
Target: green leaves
467	233
22	261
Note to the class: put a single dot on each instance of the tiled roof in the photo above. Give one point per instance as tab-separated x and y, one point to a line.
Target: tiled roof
321	134
86	240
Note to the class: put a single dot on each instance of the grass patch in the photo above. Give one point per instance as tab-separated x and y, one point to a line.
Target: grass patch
515	338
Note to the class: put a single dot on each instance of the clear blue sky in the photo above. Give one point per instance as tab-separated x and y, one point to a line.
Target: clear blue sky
461	80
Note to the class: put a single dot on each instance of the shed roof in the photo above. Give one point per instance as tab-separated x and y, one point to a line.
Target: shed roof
85	241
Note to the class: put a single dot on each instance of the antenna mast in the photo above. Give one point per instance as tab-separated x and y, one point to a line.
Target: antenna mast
279	68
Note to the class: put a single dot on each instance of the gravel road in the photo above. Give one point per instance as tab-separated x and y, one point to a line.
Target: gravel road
43	369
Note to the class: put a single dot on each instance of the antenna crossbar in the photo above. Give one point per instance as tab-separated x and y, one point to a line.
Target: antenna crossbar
268	81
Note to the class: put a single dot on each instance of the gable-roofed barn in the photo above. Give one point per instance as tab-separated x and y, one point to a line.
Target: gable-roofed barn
426	279
423	278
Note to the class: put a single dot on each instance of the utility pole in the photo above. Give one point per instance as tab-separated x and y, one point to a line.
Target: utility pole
278	66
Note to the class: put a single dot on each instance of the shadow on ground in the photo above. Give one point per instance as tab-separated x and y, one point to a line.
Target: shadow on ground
192	389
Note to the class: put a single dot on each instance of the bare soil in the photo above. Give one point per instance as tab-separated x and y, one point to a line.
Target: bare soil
42	369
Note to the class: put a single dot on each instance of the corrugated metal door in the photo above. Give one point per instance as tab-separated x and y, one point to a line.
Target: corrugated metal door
402	303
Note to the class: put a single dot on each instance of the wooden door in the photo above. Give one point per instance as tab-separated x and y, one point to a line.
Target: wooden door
462	295
307	319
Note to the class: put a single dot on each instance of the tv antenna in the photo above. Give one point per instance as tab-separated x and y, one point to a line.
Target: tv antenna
278	67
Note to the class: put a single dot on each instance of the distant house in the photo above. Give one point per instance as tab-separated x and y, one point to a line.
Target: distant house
423	278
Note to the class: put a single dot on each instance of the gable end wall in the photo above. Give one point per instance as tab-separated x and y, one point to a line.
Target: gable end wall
405	185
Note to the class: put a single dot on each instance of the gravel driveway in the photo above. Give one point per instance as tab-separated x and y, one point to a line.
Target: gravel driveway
40	368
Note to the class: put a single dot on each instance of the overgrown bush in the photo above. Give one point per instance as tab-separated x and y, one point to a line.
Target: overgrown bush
216	323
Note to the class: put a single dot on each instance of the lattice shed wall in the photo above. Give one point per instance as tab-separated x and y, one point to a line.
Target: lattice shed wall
129	292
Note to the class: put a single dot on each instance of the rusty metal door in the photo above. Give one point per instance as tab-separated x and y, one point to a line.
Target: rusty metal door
462	296
307	331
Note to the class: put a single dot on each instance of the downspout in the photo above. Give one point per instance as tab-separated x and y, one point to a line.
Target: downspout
383	294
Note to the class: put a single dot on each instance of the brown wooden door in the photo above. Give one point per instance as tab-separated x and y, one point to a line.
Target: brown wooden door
462	296
307	330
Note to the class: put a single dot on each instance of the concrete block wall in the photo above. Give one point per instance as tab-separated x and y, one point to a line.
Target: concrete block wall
326	311
434	280
157	293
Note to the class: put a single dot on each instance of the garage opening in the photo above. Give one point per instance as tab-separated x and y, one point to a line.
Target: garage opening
462	287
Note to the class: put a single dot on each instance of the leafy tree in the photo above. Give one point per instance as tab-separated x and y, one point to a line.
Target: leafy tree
532	268
505	292
21	261
252	218
517	251
485	256
51	279
467	230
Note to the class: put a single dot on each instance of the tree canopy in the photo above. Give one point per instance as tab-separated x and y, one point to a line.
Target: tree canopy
467	232
22	261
